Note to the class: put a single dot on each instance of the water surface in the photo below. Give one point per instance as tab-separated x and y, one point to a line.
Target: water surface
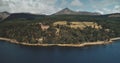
12	53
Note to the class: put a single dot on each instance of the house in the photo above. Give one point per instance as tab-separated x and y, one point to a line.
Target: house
44	27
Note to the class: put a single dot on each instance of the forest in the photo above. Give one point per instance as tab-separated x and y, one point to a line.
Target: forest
27	30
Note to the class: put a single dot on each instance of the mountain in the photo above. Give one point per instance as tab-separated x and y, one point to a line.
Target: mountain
71	15
27	16
68	11
4	15
114	15
65	11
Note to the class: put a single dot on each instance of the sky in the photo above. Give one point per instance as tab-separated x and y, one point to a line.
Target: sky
52	6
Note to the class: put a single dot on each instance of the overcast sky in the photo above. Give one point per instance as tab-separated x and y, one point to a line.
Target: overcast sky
52	6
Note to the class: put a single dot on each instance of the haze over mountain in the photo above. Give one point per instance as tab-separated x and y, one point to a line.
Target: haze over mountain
71	12
4	15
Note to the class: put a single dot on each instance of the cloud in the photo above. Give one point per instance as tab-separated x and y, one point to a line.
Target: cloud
52	6
103	3
105	6
63	4
32	6
99	11
76	3
115	9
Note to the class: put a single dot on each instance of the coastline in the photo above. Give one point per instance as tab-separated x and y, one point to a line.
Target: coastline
61	45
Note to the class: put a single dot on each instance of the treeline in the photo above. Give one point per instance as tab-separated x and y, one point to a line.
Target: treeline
52	18
30	33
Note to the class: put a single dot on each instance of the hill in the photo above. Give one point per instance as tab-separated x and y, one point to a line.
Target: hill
114	15
68	11
27	16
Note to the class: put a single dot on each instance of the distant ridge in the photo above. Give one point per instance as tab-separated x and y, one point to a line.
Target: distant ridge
28	16
5	16
67	11
114	15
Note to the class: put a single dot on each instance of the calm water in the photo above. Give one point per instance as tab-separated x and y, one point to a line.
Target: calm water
11	53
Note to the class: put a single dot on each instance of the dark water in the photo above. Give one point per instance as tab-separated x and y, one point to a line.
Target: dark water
11	53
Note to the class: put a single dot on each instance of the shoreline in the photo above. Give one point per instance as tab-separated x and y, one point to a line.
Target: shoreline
62	45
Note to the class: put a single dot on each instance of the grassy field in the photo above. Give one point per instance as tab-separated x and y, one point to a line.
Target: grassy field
76	24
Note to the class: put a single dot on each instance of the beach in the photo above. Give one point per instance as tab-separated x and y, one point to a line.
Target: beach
64	45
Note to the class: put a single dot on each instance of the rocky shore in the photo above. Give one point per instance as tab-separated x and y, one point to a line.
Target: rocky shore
65	45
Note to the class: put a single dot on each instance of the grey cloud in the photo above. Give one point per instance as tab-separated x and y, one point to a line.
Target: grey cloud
103	3
76	3
32	6
103	6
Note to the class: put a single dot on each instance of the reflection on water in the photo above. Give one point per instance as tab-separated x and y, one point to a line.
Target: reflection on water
11	53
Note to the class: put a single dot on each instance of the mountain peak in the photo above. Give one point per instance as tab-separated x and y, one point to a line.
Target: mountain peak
67	11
